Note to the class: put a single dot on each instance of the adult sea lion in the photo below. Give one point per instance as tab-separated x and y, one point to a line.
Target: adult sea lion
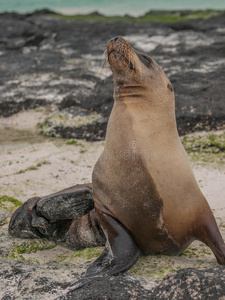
146	197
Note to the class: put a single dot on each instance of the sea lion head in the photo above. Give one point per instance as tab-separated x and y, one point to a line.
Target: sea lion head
136	75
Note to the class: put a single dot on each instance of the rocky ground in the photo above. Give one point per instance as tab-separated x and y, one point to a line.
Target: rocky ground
50	74
55	62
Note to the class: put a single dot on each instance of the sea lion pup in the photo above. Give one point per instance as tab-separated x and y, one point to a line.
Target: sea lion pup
146	197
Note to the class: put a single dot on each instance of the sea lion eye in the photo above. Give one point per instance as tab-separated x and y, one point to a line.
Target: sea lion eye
146	60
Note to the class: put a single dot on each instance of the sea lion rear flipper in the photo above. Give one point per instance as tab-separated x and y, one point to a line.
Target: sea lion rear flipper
208	233
37	214
70	203
120	252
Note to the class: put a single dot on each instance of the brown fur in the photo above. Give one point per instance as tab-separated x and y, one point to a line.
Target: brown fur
143	178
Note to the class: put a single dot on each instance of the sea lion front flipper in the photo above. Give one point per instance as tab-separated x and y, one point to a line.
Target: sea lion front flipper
120	252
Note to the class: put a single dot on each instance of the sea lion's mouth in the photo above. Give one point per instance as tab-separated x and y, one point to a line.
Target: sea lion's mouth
112	51
122	56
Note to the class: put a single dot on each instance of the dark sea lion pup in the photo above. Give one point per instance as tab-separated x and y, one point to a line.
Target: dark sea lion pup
146	197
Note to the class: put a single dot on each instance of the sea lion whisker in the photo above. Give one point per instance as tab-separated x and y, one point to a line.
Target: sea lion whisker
105	64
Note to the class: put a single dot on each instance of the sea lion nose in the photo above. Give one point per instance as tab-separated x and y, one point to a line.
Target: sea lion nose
114	39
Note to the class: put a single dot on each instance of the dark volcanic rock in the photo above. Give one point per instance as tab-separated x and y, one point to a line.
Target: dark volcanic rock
23	280
45	61
192	284
93	131
185	284
118	287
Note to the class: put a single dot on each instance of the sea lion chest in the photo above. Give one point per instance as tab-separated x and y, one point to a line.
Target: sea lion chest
123	186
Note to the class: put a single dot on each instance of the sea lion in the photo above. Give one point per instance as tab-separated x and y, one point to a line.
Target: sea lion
66	217
146	197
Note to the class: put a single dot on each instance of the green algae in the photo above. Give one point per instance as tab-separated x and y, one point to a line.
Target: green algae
33	168
159	266
206	149
196	252
152	16
9	203
204	144
74	142
43	124
78	144
30	247
84	254
156	266
83	151
87	253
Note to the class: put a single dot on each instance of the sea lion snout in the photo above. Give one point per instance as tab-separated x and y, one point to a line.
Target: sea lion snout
122	60
118	45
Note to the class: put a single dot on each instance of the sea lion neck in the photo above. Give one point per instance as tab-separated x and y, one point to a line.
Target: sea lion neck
130	92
